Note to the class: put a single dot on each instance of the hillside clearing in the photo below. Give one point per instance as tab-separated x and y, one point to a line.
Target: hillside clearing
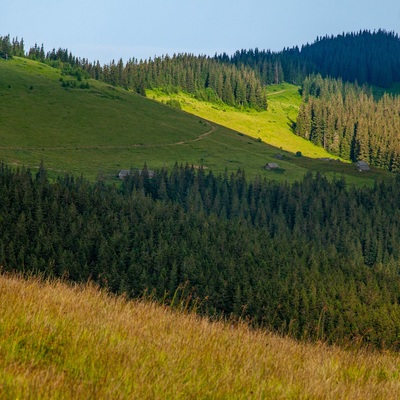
271	126
104	129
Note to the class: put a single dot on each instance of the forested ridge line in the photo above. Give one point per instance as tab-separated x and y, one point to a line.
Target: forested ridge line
315	259
202	76
238	79
366	57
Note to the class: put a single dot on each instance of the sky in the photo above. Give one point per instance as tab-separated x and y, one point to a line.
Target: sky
110	30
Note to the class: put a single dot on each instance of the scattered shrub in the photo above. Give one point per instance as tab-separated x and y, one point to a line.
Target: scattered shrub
174	103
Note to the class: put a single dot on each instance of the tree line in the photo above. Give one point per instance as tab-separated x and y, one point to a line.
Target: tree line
201	76
239	80
11	47
314	259
347	121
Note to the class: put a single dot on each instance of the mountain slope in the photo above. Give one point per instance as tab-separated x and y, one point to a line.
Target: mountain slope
102	129
59	341
105	129
273	127
81	130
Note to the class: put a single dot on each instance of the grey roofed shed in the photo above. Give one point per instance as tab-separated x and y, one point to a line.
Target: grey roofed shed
123	173
271	165
363	166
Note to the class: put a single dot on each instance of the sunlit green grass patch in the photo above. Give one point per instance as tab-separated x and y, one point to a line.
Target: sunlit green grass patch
273	126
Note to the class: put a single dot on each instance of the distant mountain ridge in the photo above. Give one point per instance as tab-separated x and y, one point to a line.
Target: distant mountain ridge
365	57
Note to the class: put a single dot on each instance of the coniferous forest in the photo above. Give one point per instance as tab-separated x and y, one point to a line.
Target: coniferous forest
346	120
365	57
238	80
315	259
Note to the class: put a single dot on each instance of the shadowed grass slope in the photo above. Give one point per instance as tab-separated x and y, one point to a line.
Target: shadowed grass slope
393	90
83	131
67	342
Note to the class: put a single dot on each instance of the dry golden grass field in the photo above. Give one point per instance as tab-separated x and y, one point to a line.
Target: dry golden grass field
78	342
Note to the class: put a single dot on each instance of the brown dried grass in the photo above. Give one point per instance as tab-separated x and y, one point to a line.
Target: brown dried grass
70	342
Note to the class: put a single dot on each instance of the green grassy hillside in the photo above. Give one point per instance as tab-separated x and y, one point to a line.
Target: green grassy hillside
271	126
62	342
104	129
274	128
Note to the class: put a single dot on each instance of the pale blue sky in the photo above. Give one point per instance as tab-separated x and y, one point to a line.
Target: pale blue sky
107	30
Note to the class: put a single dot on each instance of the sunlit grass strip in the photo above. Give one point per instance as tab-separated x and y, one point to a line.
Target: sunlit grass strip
75	342
272	126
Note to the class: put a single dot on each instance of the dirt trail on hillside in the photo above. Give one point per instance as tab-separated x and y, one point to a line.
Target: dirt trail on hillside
274	93
201	137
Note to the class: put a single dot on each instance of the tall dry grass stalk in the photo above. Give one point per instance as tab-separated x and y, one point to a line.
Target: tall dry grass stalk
58	341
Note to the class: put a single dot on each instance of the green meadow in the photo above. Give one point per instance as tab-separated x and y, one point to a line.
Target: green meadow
98	131
272	126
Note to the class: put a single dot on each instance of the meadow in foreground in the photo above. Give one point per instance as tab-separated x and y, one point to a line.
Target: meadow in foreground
60	341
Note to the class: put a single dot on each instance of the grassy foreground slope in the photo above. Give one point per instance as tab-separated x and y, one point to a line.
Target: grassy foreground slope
104	129
67	342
